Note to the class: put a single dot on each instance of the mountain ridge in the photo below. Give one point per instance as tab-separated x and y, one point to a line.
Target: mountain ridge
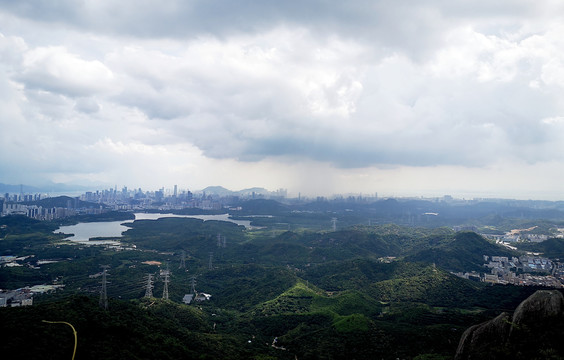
45	188
222	191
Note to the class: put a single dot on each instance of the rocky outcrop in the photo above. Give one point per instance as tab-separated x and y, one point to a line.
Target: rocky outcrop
533	332
542	305
479	339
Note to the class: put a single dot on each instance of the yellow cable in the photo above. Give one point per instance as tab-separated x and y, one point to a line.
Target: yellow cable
73	330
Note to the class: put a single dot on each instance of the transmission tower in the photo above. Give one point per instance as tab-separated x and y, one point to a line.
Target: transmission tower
210	262
182	260
334	221
165	290
104	291
193	285
218	240
149	286
224	242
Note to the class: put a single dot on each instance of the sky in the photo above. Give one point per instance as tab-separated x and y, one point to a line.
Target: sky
398	98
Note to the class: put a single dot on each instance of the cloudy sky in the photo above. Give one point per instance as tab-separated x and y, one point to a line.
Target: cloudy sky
425	97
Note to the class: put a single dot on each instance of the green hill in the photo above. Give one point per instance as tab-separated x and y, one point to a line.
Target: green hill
553	248
356	273
430	286
170	234
463	252
260	207
64	202
241	287
297	299
19	234
19	225
398	281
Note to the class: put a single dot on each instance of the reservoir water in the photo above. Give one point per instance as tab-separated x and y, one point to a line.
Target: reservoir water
85	231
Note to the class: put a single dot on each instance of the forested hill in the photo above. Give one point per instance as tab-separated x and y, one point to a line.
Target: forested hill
487	216
553	248
462	252
445	248
357	292
64	202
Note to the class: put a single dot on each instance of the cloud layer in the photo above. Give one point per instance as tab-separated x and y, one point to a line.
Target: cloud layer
362	88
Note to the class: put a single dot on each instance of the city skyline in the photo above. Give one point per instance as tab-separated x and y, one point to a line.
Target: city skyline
401	99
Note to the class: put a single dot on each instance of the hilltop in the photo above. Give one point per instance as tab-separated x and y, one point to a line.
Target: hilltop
462	252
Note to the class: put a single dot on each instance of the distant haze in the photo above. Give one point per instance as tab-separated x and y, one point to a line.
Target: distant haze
395	97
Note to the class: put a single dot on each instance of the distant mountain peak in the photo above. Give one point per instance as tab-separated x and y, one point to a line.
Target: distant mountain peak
217	190
221	191
45	188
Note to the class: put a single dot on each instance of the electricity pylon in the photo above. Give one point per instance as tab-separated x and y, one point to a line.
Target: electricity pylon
165	290
104	291
149	286
183	260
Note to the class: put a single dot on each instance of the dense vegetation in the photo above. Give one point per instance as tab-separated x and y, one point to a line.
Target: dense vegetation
553	248
105	216
358	292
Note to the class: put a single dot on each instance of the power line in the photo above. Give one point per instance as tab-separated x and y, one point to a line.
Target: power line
104	292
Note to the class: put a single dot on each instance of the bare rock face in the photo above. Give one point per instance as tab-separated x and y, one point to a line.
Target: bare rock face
533	332
543	304
479	339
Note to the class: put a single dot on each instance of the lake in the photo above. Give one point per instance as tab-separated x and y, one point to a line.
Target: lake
85	231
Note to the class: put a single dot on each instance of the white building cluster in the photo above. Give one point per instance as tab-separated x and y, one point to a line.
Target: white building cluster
523	271
36	212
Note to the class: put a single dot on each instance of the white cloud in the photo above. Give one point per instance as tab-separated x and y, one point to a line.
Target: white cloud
55	69
357	88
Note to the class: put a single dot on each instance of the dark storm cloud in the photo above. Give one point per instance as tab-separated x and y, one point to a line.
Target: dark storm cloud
411	26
